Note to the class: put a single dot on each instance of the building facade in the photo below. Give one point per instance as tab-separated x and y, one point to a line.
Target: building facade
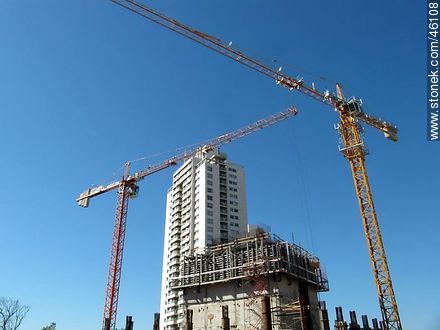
205	206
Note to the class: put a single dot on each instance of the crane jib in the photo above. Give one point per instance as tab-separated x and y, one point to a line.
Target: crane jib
225	49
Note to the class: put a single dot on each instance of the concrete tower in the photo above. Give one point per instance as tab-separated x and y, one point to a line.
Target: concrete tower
206	205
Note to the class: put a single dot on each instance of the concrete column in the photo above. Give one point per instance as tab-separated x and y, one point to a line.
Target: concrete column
225	317
189	319
265	313
156	321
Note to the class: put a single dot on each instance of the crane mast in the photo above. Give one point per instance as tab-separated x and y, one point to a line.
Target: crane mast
350	114
127	188
354	151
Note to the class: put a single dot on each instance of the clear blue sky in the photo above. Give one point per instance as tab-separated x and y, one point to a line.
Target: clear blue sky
87	85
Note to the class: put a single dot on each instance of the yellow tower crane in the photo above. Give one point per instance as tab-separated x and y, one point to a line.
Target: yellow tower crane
350	115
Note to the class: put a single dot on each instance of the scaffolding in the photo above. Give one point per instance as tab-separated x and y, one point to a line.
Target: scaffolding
293	313
253	314
251	257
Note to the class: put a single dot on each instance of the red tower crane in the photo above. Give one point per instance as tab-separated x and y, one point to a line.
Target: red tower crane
127	188
353	148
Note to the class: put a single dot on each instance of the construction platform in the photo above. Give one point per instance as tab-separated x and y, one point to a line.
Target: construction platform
256	282
252	256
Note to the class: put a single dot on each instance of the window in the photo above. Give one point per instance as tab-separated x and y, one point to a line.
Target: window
209	229
209	190
210	221
209	168
209	175
209	205
234	183
233	195
209	182
209	198
210	213
233	176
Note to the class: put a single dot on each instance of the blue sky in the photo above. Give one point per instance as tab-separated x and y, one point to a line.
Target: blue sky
87	85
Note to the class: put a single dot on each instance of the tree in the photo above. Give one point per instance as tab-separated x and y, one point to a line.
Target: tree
12	313
52	326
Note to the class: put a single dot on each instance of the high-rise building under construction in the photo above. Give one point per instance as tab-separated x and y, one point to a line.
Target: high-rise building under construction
221	273
206	206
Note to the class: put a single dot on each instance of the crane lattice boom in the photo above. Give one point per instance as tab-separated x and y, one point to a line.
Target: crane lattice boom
278	76
83	199
350	112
